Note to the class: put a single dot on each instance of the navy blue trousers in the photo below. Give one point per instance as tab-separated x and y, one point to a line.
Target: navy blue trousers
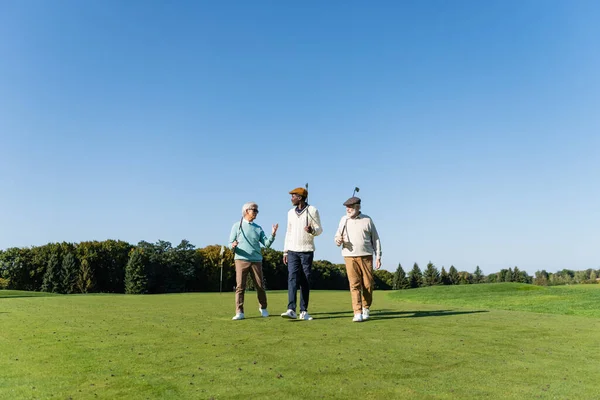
299	269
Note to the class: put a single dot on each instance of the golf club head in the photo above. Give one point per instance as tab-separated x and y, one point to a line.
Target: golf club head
222	251
356	190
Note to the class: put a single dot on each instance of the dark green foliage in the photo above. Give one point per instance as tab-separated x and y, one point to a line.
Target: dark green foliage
400	280
275	271
70	272
453	276
100	267
85	277
431	275
383	279
15	268
444	277
53	279
465	278
541	278
136	279
105	269
516	274
415	278
326	275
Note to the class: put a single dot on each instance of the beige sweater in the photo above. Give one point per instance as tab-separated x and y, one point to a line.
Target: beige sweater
359	235
296	238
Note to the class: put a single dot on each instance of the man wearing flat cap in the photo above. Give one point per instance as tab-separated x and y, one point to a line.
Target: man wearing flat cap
358	237
303	225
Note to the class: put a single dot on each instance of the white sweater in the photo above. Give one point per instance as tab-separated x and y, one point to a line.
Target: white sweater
296	238
359	235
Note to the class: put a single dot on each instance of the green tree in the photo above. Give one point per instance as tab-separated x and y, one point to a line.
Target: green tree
465	278
85	277
444	277
136	280
453	275
382	279
70	271
541	278
431	276
477	275
508	276
593	276
400	281
53	280
516	274
415	277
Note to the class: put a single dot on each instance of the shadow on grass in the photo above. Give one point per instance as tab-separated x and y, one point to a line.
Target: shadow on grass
24	295
390	314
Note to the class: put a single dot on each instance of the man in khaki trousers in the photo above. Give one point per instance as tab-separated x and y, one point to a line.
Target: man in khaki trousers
358	237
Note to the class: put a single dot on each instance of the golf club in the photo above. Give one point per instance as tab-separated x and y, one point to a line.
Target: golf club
356	190
306	201
222	254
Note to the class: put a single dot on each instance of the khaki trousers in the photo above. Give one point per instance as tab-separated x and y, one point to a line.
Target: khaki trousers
360	276
242	269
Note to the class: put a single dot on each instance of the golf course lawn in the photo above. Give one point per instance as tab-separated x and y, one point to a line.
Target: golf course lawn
461	342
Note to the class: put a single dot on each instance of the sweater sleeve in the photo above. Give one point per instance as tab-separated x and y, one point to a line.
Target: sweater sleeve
375	240
266	241
288	235
340	230
316	223
233	234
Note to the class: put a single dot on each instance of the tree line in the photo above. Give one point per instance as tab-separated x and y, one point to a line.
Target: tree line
115	266
431	276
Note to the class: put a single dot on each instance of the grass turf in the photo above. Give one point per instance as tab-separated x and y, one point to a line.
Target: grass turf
185	346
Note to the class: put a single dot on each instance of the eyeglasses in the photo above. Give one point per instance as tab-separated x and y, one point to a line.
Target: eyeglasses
253	209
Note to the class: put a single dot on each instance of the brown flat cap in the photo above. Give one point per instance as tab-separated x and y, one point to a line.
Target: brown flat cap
352	201
300	191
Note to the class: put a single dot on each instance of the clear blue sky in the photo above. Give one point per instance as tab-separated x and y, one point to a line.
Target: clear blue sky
471	127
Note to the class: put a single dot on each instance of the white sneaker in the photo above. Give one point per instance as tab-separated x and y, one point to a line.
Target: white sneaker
305	316
358	317
365	314
263	312
238	316
289	314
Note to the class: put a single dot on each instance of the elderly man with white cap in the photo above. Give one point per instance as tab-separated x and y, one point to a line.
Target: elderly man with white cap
358	237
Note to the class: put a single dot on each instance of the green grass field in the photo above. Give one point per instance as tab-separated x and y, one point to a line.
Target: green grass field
461	342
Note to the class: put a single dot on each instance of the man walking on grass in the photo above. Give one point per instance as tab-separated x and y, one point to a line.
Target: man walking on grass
358	237
303	225
245	240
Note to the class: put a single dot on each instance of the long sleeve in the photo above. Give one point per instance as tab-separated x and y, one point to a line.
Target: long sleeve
233	234
288	235
315	222
266	241
375	240
340	230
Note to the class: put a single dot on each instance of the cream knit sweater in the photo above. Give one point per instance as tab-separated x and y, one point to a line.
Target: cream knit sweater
296	238
359	235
